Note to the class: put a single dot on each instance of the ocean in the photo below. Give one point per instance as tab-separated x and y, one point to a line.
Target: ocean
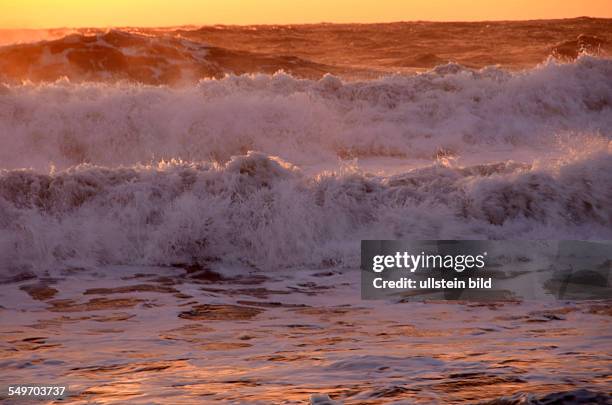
181	209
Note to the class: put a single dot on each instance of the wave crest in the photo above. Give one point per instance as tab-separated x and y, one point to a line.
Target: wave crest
117	55
446	112
262	211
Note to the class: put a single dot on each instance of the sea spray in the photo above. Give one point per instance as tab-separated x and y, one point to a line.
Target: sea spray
264	212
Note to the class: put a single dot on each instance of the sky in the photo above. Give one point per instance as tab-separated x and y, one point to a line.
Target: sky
108	13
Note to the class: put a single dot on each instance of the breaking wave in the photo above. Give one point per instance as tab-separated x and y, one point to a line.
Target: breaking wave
115	55
265	212
449	111
128	173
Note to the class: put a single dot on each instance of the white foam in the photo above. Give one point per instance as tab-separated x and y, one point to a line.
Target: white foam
421	139
449	111
266	213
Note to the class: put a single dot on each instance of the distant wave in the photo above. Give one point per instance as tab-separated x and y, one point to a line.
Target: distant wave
152	59
451	110
264	212
183	55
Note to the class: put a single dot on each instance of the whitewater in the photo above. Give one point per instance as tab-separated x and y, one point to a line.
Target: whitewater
449	111
296	171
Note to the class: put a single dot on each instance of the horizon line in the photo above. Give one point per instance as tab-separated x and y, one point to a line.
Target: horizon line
298	24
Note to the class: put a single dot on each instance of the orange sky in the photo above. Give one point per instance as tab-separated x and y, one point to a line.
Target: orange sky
84	13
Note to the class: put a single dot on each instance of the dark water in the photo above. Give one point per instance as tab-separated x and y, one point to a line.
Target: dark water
170	335
184	55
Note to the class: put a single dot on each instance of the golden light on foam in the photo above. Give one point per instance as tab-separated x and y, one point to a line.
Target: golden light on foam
83	13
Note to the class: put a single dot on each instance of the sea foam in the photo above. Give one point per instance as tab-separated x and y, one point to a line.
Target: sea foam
448	111
125	173
263	212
